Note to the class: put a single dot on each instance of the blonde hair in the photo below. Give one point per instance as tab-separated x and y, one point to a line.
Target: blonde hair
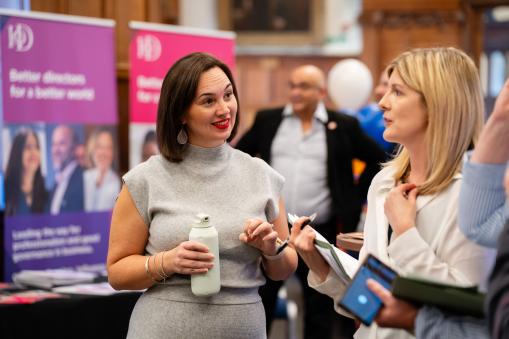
91	144
448	82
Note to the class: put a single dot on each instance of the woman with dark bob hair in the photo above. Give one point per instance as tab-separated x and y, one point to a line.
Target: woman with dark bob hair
198	172
25	192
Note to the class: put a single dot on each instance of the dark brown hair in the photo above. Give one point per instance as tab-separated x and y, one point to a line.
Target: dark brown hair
177	94
13	177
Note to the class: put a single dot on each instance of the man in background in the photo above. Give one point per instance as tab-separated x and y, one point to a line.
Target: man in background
313	148
67	194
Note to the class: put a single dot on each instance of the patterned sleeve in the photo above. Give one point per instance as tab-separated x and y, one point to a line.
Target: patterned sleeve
432	323
481	209
138	187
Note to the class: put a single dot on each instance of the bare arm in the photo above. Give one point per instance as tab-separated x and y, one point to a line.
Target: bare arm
129	269
128	237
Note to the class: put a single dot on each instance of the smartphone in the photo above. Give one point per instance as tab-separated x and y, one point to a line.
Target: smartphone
358	298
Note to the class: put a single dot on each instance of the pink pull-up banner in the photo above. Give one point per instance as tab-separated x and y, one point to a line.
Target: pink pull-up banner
154	48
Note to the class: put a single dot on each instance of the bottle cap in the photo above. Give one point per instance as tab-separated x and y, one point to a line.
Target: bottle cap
202	220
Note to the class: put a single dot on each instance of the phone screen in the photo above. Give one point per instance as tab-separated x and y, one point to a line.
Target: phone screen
358	299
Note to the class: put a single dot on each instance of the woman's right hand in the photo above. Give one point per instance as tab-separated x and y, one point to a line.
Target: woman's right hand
303	240
189	257
400	207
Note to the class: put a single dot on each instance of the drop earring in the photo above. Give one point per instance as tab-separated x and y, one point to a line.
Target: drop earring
182	136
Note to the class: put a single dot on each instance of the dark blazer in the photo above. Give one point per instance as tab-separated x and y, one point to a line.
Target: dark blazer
345	141
497	300
73	199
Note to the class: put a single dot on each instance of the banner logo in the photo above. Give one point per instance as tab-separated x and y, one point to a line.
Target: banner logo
20	37
148	48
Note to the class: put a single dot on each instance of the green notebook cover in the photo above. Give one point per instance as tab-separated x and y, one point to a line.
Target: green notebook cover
457	299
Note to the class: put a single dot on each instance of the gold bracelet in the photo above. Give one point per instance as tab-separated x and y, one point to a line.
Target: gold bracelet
163	274
146	265
147	269
157	271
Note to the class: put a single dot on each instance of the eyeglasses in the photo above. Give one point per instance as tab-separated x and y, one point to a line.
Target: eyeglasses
303	86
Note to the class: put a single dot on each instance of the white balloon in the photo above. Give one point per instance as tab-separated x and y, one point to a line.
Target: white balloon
350	84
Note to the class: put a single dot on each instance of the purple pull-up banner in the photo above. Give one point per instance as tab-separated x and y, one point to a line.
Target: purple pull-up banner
59	133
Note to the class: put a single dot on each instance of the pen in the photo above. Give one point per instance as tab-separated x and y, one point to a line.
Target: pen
293	217
282	244
306	222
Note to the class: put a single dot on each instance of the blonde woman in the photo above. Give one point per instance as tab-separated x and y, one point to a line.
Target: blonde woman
434	110
101	182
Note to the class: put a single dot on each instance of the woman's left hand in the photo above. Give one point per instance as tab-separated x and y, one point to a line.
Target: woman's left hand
395	312
400	207
260	234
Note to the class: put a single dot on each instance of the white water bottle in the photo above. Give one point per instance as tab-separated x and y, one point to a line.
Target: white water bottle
209	283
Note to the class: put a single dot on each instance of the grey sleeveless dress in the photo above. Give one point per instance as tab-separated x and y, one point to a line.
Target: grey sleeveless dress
231	187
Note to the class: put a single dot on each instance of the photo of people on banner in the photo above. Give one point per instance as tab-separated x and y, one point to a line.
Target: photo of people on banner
143	142
58	168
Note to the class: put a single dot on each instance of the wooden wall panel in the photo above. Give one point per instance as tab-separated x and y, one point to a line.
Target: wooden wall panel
390	27
410	5
163	11
123	123
123	11
394	41
93	8
394	26
52	6
474	31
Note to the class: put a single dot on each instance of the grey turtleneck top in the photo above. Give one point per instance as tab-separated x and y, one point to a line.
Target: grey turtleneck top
228	185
